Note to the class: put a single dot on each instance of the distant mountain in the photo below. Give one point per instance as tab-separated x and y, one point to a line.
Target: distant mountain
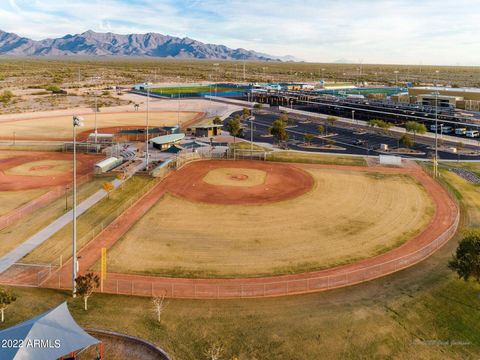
91	43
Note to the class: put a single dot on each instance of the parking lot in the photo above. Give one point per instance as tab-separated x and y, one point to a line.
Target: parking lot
348	138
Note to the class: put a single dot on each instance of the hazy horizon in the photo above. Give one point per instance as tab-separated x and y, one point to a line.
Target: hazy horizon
399	32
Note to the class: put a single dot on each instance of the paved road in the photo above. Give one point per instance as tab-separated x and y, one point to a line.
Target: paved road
36	240
346	136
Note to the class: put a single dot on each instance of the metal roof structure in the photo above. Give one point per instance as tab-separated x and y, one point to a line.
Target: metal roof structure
165	139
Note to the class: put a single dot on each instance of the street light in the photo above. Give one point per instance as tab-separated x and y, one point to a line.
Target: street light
435	163
77	122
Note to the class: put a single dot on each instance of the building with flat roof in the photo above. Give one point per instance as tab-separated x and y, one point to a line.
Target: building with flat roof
207	130
462	98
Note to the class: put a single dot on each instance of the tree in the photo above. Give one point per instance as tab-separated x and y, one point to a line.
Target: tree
86	284
415	128
159	306
384	125
278	130
245	113
308	138
321	129
257	106
217	120
466	260
6	298
330	120
283	117
234	127
108	187
406	141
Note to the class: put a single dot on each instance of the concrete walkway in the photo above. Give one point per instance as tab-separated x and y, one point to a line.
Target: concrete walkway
29	245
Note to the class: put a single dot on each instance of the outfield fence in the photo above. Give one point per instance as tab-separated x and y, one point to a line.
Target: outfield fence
43	200
129	284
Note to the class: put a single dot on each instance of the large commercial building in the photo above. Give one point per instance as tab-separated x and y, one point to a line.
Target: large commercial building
462	98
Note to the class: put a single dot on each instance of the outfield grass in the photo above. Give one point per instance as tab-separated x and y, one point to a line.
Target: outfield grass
59	127
60	243
290	156
41	168
11	200
423	312
348	216
18	232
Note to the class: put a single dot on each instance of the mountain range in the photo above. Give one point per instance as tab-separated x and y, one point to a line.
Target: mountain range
92	43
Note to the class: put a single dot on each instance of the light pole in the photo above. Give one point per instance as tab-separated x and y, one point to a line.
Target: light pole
146	138
77	121
396	77
251	133
96	109
353	117
436	134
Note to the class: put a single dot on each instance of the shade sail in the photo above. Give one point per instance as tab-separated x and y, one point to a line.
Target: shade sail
45	337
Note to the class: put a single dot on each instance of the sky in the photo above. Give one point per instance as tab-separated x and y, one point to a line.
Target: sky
443	32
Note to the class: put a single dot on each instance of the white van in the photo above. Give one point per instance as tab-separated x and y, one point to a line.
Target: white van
460	131
472	133
446	129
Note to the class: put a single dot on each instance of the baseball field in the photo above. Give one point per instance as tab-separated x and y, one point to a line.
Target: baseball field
205	230
60	127
25	176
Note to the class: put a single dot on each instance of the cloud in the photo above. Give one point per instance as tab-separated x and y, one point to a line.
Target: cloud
375	31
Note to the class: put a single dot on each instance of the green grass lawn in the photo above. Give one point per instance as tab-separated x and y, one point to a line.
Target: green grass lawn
287	156
243	145
423	312
193	89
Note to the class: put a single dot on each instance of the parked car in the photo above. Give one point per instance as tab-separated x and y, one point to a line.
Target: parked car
472	133
460	131
446	129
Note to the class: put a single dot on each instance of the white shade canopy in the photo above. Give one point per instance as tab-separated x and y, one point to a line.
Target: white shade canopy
45	337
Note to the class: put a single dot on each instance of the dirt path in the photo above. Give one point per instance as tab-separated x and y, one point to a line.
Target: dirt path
441	228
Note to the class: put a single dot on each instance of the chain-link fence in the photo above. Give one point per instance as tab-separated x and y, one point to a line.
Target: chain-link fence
41	201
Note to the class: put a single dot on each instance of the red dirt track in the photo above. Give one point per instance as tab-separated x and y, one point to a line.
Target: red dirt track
22	182
441	228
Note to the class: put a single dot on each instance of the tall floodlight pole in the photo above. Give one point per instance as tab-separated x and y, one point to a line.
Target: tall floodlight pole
146	139
96	109
77	121
436	133
396	77
251	132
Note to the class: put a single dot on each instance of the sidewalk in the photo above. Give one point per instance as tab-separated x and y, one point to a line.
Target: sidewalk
40	237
